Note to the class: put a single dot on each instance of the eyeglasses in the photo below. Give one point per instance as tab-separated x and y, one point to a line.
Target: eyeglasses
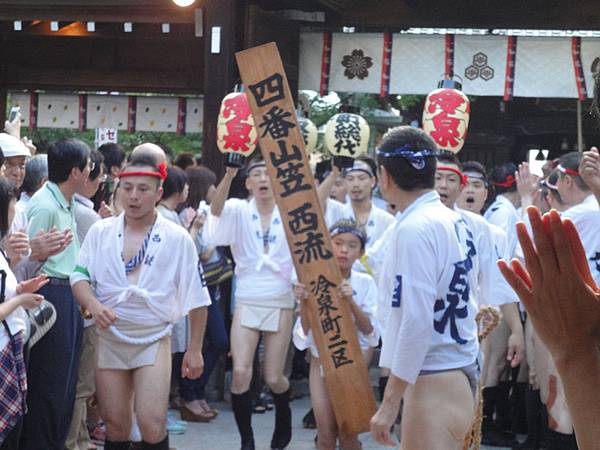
92	165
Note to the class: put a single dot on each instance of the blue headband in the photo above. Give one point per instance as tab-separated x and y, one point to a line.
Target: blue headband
334	231
415	158
254	165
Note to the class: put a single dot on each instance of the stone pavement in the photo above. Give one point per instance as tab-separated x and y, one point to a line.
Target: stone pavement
221	433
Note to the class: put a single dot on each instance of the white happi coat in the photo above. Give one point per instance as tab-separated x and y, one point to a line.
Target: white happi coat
503	214
364	293
379	220
258	274
428	279
586	218
491	244
169	284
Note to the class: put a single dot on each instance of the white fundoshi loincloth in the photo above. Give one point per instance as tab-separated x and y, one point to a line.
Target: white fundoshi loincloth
115	353
263	314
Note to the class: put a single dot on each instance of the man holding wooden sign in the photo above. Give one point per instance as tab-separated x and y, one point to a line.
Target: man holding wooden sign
282	146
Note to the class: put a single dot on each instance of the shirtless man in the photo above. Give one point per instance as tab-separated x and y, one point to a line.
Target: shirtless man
139	290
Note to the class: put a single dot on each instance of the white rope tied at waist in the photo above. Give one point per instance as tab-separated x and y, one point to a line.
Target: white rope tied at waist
266	260
141	340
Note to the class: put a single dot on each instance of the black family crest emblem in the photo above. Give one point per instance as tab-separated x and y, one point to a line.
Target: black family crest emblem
479	68
357	65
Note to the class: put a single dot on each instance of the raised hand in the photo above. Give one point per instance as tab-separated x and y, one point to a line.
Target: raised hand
589	169
14	128
46	244
527	184
557	288
29	144
16	245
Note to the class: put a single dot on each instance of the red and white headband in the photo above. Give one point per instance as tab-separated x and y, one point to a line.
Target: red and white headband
567	171
162	173
461	176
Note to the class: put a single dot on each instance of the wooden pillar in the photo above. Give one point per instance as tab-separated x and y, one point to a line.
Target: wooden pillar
3	105
220	73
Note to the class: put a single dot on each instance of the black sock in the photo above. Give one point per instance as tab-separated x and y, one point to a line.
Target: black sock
162	445
489	404
242	410
503	414
113	445
560	441
283	420
383	381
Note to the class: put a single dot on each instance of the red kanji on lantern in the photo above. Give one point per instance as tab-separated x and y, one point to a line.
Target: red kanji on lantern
238	136
236	132
236	105
445	131
446	116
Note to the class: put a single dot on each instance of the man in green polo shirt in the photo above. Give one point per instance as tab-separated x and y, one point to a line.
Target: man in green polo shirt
54	361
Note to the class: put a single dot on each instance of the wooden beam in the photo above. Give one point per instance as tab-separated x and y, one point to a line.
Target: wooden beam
534	14
99	13
220	73
156	81
88	63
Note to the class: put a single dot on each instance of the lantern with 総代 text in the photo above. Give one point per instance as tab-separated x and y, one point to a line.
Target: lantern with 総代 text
236	133
446	116
346	138
309	133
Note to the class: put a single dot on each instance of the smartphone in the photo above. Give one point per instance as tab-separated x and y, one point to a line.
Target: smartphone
13	113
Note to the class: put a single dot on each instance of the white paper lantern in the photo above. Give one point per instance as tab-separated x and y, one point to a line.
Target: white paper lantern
309	133
236	131
347	135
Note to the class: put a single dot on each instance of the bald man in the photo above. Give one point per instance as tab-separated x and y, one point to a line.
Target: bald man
152	150
148	150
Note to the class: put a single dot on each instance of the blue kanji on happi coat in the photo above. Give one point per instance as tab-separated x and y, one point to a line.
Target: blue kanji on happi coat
455	306
397	296
596	260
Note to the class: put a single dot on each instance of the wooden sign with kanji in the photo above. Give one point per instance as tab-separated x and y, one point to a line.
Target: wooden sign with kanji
330	317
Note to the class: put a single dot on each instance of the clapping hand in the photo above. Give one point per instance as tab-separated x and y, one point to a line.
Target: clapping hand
16	245
557	288
46	244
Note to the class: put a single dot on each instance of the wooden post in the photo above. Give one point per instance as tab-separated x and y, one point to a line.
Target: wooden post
330	317
220	39
3	106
